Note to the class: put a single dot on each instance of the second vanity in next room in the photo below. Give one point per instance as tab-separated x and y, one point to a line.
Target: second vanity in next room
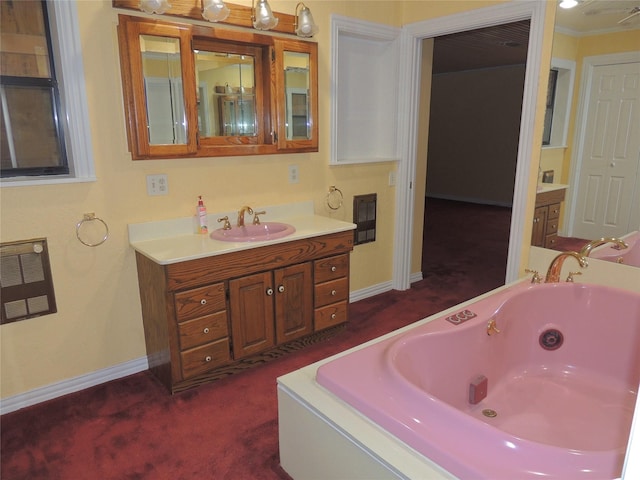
546	216
211	308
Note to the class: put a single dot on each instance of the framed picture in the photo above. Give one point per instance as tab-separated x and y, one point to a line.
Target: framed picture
547	176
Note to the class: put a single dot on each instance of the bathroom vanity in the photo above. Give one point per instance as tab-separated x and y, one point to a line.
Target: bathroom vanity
212	308
547	214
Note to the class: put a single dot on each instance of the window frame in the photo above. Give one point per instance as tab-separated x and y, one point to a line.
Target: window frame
74	111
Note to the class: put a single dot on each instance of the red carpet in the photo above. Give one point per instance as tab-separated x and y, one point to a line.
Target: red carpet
133	429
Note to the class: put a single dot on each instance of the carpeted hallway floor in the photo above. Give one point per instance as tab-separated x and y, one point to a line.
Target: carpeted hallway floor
132	428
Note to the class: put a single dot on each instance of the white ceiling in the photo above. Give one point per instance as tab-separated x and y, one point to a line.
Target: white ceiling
598	16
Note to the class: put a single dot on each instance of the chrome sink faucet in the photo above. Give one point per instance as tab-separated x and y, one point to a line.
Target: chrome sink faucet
618	245
553	273
241	212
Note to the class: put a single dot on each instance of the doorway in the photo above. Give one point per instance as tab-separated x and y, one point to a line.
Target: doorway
477	85
414	34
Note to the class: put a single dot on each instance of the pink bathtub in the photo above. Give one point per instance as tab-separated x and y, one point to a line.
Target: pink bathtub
562	377
626	256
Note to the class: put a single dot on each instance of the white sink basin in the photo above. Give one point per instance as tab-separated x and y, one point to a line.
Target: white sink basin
254	233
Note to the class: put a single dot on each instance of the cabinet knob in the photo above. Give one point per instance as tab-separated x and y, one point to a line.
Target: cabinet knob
269	291
333	293
207	358
281	288
333	316
333	269
206	330
203	301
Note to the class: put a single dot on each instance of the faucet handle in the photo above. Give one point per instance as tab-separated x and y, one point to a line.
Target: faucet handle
256	220
571	274
536	276
227	224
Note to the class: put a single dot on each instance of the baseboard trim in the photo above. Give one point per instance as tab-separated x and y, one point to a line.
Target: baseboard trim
71	385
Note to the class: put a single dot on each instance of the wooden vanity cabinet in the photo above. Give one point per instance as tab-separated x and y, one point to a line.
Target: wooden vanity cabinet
270	308
214	316
546	218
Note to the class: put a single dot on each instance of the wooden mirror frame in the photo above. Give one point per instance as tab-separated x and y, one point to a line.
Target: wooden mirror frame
270	90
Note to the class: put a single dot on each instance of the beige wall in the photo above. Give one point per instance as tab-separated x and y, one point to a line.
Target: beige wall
473	140
98	324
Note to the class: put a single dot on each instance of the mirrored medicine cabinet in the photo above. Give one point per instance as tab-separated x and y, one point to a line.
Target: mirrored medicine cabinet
195	91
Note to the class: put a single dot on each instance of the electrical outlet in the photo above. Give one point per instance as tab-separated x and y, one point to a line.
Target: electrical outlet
157	185
392	178
294	174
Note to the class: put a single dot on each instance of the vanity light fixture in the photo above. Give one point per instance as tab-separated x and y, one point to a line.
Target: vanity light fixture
215	10
568	3
262	16
304	25
154	6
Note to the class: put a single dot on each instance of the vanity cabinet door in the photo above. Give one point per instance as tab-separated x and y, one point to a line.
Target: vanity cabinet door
251	305
293	302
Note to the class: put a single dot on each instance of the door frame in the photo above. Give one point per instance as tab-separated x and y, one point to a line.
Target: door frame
410	74
586	83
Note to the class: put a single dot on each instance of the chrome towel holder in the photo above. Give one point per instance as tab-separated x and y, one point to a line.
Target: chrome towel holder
89	218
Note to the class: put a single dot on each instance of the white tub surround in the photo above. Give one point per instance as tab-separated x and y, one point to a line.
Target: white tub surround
172	241
358	449
346	444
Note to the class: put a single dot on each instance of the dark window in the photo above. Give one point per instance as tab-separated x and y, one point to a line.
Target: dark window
31	136
551	99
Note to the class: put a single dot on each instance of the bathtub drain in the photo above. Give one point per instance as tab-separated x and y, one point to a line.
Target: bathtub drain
551	339
488	412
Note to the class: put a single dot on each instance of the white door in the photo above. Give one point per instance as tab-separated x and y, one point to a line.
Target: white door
609	153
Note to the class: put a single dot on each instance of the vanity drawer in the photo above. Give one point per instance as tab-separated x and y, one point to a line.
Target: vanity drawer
554	211
330	268
199	302
203	330
330	315
204	358
552	226
331	292
550	241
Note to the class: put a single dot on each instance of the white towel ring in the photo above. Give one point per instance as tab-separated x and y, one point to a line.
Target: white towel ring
334	198
91	217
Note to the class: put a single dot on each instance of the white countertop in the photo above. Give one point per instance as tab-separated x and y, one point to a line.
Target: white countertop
172	241
549	187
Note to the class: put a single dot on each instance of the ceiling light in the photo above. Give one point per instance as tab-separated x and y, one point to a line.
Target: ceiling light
154	6
262	16
568	3
215	10
304	24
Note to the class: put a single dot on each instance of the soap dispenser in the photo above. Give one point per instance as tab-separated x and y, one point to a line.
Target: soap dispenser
201	213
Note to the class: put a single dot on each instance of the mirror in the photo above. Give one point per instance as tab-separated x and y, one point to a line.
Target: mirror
162	76
226	100
296	83
590	30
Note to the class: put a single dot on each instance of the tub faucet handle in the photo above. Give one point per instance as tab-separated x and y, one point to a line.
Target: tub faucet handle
571	274
536	276
492	328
